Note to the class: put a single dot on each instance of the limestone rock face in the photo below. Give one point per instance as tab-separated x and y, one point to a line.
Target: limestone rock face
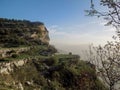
7	67
44	34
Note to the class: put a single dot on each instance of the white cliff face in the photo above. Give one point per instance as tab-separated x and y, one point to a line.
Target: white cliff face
44	34
20	63
20	86
8	67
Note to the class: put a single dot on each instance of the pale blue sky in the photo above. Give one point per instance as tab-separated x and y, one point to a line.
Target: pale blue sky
65	19
49	11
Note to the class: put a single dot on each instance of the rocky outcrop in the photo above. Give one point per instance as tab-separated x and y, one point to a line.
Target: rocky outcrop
8	52
44	34
8	67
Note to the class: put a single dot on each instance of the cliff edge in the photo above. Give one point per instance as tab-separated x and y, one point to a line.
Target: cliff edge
14	33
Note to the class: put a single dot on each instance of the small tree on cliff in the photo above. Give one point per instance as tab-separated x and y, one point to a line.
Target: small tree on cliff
107	58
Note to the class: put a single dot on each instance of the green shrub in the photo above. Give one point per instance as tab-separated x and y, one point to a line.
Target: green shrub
51	61
14	56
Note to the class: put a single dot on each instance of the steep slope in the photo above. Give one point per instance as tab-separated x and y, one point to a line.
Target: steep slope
28	62
14	33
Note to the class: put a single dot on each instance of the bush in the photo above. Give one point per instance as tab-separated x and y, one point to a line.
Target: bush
14	56
51	61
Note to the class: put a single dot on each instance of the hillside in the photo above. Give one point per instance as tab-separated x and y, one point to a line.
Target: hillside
14	33
28	62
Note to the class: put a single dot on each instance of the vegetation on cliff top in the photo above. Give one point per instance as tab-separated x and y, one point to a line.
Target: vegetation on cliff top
14	33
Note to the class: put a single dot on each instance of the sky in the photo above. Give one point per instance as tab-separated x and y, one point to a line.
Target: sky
65	20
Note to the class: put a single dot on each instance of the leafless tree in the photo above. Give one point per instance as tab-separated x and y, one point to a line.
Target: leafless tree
107	57
111	12
107	61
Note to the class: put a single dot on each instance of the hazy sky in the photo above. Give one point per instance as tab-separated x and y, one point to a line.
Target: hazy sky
65	19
